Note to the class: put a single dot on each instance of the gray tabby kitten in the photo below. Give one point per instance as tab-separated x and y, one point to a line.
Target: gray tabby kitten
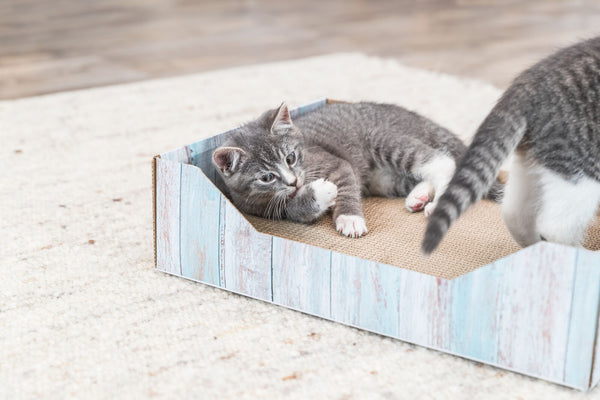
333	156
551	116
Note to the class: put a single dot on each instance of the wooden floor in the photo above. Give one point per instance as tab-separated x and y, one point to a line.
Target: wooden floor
50	46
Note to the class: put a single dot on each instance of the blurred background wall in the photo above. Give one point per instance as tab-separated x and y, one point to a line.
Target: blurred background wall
49	46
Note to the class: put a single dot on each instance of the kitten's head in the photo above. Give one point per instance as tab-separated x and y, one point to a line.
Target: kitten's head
262	163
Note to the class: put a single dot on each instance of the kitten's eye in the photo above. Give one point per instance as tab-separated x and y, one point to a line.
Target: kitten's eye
291	158
266	178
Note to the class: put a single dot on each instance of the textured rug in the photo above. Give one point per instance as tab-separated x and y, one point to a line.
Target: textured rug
83	314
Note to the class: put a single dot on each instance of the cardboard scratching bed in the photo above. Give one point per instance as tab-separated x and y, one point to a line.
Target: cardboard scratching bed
479	296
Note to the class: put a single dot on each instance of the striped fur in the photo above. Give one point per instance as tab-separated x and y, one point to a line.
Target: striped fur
551	115
360	148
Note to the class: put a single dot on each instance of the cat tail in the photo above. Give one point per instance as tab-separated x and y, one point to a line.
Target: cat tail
476	174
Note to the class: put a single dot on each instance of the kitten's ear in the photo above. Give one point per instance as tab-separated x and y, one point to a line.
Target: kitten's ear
227	159
282	122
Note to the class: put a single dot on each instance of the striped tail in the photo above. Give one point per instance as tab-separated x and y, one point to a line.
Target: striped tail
476	174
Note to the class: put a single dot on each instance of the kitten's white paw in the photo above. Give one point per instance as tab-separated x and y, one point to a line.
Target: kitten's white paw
325	193
429	209
351	225
418	198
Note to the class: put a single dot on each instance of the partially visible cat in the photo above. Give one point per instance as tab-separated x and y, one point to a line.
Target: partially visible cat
551	116
278	168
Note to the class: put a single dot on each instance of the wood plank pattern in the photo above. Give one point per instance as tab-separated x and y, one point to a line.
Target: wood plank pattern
222	223
301	277
596	354
476	298
298	112
168	181
78	44
200	153
515	313
583	321
364	294
425	302
179	155
246	257
199	224
537	291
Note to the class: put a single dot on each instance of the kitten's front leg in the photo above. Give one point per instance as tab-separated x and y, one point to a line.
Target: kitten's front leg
312	201
347	213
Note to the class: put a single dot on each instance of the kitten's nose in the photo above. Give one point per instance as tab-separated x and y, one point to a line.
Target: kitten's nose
294	182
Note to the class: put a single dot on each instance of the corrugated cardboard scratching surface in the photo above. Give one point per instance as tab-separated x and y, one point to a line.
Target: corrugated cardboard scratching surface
476	239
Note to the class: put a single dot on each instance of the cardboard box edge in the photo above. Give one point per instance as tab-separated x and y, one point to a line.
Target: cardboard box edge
593	366
154	205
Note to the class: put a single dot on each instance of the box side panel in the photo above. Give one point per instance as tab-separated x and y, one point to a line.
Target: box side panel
199	226
178	155
295	113
200	153
222	226
301	277
583	322
154	205
476	298
168	191
424	309
515	313
534	314
364	294
246	256
596	361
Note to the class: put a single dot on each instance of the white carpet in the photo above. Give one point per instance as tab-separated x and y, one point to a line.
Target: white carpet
83	314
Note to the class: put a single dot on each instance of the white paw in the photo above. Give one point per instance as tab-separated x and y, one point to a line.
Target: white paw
429	209
351	225
418	198
325	193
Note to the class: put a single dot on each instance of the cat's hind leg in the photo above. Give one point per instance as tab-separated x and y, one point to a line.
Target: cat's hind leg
562	220
419	196
438	171
521	202
412	157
